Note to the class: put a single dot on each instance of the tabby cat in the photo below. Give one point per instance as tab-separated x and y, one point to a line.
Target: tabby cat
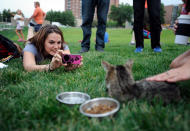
122	86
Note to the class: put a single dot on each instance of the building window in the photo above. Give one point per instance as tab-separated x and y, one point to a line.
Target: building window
69	4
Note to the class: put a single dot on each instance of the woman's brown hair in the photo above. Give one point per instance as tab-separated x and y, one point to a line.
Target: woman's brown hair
39	38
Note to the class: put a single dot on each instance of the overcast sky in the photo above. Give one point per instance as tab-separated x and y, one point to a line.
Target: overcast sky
27	6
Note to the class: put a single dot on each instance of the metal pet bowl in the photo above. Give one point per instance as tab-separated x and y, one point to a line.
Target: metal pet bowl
72	97
90	108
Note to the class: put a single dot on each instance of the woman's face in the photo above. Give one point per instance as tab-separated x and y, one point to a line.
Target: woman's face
52	43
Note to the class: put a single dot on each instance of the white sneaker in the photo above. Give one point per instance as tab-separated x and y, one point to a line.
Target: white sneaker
132	43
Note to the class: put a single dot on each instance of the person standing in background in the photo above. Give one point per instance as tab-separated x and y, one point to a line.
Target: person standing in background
146	24
88	9
19	25
183	8
155	23
39	16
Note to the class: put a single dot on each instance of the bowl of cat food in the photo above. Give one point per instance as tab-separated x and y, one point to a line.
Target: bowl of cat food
100	107
72	98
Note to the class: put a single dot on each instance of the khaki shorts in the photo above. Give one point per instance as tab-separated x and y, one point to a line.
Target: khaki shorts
30	32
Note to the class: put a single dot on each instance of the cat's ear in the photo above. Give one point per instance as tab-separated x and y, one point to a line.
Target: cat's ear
106	65
129	64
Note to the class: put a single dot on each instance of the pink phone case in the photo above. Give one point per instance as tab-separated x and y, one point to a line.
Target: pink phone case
71	58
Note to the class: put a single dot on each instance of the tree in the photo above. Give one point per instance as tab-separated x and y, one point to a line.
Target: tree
65	18
121	14
68	18
162	13
1	17
7	15
50	15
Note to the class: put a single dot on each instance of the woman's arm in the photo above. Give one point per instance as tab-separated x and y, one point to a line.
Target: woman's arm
29	63
180	70
181	73
180	60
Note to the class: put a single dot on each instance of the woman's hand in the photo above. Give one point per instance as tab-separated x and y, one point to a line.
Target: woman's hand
56	61
69	67
173	75
175	26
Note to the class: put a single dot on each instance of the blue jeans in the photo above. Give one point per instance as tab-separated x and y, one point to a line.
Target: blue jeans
88	8
37	27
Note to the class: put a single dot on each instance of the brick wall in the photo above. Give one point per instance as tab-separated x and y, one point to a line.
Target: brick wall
168	14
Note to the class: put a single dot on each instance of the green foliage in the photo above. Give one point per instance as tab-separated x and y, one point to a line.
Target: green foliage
162	13
65	18
111	23
94	23
125	12
50	15
68	18
6	15
121	14
1	17
28	99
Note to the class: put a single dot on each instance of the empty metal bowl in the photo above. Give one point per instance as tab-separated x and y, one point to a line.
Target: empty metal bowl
72	97
98	105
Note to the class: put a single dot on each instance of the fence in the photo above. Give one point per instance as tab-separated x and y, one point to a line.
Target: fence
6	26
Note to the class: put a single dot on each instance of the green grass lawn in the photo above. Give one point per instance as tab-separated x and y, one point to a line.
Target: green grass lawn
28	99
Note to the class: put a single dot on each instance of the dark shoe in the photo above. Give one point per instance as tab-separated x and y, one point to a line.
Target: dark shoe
83	50
100	49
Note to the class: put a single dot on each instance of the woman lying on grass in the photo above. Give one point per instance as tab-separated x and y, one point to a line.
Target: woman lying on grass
48	43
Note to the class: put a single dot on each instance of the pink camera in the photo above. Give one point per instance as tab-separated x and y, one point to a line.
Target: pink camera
71	59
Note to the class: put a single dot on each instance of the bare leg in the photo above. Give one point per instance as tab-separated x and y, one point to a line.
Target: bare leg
17	32
22	35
